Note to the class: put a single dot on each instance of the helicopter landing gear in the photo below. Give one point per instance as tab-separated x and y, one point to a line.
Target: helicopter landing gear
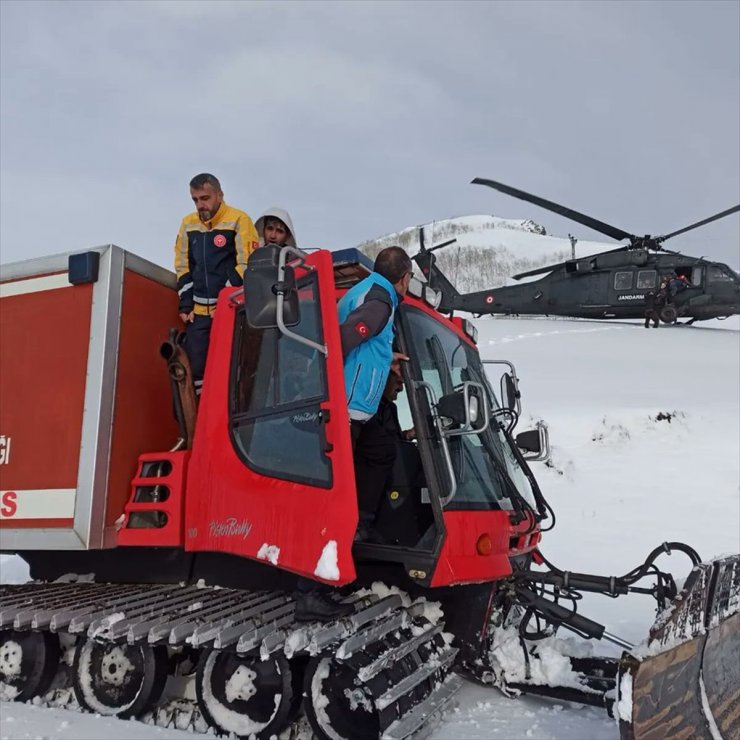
668	315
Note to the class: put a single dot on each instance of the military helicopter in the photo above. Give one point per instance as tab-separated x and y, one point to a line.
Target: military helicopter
608	285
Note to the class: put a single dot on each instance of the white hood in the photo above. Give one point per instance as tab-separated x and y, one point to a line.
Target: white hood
284	216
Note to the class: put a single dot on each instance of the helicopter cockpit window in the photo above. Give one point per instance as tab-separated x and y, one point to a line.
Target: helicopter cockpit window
715	274
646	279
623	281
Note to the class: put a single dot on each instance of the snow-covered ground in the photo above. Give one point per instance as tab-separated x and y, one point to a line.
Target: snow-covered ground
622	481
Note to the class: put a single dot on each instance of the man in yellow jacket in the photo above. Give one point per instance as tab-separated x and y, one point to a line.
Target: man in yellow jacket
211	253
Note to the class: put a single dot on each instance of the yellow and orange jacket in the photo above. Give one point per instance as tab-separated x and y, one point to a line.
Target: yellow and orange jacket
211	255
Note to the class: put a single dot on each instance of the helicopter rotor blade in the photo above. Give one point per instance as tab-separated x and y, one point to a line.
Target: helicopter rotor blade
538	271
549	268
440	246
716	216
581	218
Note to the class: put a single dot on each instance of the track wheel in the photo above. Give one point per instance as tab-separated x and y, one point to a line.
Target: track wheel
118	679
243	694
28	663
336	707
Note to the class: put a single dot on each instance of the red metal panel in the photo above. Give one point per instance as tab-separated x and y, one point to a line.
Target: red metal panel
143	418
230	508
459	560
44	337
36	523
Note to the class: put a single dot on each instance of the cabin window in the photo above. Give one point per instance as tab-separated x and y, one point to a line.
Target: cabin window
487	472
716	274
623	281
696	275
277	386
646	279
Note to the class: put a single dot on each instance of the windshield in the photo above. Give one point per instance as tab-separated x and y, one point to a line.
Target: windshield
486	468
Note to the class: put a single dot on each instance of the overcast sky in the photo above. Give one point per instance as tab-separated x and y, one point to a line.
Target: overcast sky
363	118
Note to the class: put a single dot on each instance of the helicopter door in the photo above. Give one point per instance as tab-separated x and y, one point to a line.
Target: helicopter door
593	291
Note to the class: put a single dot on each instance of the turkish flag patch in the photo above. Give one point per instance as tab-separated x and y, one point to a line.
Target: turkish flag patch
362	329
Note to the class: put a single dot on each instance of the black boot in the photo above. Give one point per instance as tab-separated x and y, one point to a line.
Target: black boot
367	533
317	606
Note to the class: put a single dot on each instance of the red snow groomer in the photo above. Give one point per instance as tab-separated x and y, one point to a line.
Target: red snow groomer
186	554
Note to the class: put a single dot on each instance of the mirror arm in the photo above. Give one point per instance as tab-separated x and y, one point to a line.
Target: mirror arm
280	292
544	442
514	377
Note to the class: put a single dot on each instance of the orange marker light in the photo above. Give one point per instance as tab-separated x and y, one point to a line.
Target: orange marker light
484	545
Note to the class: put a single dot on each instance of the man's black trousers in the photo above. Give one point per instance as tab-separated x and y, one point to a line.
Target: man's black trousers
374	455
197	339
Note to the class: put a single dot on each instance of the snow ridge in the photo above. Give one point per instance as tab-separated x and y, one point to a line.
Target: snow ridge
488	250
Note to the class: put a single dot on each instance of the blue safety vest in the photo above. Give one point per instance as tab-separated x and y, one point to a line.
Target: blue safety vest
367	366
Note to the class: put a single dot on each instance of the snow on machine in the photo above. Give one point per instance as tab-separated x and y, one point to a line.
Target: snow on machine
165	547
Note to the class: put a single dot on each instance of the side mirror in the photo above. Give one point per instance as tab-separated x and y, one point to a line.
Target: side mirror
510	394
466	409
529	441
535	443
261	287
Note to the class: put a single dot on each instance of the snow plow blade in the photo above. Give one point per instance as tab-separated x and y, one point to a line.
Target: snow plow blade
685	682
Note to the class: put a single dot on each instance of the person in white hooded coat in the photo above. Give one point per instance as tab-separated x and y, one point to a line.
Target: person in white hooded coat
275	226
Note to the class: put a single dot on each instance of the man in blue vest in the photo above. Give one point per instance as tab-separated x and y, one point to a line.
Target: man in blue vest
366	314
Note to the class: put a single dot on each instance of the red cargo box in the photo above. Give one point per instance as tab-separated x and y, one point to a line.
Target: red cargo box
83	391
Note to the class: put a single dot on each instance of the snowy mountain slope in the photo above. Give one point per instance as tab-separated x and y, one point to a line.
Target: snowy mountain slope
488	250
624	478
